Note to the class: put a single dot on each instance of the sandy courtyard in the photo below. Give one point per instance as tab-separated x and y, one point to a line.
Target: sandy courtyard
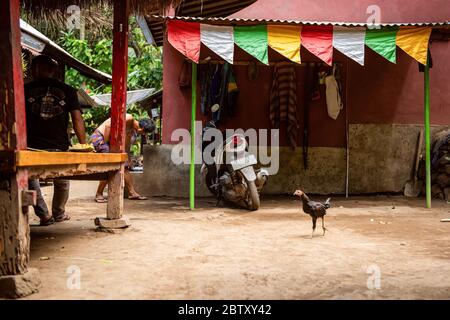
222	253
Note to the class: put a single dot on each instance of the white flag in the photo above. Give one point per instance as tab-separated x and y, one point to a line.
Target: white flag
219	39
351	42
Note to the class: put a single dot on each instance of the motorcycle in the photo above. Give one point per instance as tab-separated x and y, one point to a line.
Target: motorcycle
231	176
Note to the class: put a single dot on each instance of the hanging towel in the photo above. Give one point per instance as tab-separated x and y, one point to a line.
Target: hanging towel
283	100
334	101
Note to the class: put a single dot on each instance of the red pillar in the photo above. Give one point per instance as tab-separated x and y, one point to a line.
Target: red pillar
13	124
119	74
118	104
15	278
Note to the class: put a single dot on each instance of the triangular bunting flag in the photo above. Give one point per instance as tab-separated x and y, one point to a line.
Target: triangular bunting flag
185	37
350	41
253	40
319	41
220	40
285	40
415	42
383	42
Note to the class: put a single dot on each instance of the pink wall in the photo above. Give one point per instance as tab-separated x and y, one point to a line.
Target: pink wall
380	92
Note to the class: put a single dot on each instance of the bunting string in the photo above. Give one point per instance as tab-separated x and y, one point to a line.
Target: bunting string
187	37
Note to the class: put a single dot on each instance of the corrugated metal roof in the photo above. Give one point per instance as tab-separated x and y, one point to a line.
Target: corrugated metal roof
197	8
135	96
238	21
35	41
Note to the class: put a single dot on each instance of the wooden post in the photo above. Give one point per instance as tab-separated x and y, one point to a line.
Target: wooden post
427	133
16	280
118	114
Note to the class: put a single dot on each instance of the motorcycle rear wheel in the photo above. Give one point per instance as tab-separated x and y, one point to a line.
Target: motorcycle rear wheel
254	195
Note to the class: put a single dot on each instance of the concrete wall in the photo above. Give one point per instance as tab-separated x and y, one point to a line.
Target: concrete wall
382	156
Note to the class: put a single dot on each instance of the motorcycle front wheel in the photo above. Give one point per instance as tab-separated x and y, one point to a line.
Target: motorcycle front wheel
254	196
210	183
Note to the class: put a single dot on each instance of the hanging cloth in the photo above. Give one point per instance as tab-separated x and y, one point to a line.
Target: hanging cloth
311	93
283	100
229	91
223	92
206	73
334	100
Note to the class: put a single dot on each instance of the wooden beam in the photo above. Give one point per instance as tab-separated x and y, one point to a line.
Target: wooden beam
32	158
118	104
71	171
15	278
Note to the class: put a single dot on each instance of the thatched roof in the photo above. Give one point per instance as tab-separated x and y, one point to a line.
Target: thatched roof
46	6
50	16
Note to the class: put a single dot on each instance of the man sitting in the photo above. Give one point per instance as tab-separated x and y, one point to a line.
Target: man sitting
48	103
100	139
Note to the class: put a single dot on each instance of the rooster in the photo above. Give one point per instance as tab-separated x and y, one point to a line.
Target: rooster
314	209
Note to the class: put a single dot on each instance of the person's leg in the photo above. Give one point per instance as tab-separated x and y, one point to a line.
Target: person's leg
101	187
60	197
129	184
40	209
132	193
100	147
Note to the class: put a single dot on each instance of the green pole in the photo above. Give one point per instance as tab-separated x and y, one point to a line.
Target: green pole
193	112
427	132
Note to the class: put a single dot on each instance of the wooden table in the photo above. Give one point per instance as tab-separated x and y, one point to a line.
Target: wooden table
70	165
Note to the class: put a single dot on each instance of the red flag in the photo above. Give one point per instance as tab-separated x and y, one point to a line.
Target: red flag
319	41
185	37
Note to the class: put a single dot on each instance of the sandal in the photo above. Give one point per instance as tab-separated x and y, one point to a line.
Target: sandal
64	217
100	199
138	197
47	222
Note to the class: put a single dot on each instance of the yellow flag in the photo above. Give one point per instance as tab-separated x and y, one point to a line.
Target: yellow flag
285	40
415	42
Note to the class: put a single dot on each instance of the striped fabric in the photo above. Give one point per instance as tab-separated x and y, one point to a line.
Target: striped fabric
283	100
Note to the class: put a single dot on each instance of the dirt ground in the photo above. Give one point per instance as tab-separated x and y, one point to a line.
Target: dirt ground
222	253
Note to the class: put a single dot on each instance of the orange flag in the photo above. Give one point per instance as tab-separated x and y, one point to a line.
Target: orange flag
415	42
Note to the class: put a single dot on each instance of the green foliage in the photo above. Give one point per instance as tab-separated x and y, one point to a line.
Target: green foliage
144	70
98	55
95	117
24	66
144	66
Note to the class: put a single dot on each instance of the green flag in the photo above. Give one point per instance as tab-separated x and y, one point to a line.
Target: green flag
383	42
253	40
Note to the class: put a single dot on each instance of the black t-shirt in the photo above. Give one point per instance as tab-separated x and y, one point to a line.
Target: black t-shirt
48	104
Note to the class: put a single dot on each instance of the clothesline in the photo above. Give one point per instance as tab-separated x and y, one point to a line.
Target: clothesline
246	63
